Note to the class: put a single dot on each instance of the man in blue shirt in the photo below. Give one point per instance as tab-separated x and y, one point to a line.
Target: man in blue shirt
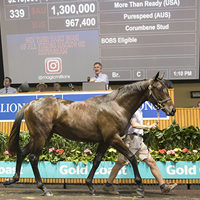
99	77
7	88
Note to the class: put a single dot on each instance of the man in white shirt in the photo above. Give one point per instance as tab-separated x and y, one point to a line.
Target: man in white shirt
134	141
99	77
7	89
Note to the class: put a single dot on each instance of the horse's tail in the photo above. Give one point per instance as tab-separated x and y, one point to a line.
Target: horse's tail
13	142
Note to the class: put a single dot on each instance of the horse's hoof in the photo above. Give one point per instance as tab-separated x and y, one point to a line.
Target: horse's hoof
48	194
6	182
93	193
140	192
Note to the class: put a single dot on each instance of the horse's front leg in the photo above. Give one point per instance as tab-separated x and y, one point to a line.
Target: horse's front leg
100	153
118	143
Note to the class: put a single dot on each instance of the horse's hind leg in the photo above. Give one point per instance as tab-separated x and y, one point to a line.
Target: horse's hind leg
100	153
122	148
21	154
34	158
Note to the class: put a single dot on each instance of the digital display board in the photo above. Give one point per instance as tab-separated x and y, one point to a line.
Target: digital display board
59	40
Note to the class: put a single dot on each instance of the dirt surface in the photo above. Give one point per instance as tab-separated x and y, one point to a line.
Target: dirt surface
80	192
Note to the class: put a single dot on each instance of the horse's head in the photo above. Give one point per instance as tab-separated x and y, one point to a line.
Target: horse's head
159	96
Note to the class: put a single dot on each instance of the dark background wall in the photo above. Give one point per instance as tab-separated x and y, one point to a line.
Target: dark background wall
181	88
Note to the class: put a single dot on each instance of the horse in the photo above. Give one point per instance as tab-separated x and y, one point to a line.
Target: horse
101	119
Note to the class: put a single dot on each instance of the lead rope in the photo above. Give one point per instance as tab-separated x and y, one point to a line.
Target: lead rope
158	116
149	140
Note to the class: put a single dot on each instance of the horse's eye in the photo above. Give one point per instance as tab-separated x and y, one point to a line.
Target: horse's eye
159	89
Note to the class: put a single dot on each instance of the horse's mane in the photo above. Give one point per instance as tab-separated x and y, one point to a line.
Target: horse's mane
124	89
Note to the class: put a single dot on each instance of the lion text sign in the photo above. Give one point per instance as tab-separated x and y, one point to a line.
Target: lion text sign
11	103
169	170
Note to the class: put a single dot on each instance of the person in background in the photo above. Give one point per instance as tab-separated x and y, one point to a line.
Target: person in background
56	86
7	89
24	87
198	104
41	87
99	77
134	141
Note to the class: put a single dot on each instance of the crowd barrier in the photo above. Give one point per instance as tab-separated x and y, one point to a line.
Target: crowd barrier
183	116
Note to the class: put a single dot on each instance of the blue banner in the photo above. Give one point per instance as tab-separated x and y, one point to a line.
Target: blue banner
169	170
11	103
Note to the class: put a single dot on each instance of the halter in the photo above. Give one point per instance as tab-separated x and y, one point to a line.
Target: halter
159	104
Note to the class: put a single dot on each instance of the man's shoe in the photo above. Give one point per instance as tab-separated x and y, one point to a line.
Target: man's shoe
168	187
110	189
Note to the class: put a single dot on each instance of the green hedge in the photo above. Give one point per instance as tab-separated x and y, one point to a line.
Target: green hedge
171	144
175	143
174	137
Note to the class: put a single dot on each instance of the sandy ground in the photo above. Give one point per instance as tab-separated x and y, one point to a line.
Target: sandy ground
81	192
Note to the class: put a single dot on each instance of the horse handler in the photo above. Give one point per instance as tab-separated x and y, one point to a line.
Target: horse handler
134	142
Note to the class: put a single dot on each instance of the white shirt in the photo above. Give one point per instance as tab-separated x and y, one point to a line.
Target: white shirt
102	78
9	90
138	117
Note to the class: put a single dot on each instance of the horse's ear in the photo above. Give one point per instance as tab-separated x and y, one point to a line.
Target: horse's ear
161	77
156	76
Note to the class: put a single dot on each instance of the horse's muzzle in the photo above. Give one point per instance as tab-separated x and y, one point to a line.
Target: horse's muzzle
172	113
169	113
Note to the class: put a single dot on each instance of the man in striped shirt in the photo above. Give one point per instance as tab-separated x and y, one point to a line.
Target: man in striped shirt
7	88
